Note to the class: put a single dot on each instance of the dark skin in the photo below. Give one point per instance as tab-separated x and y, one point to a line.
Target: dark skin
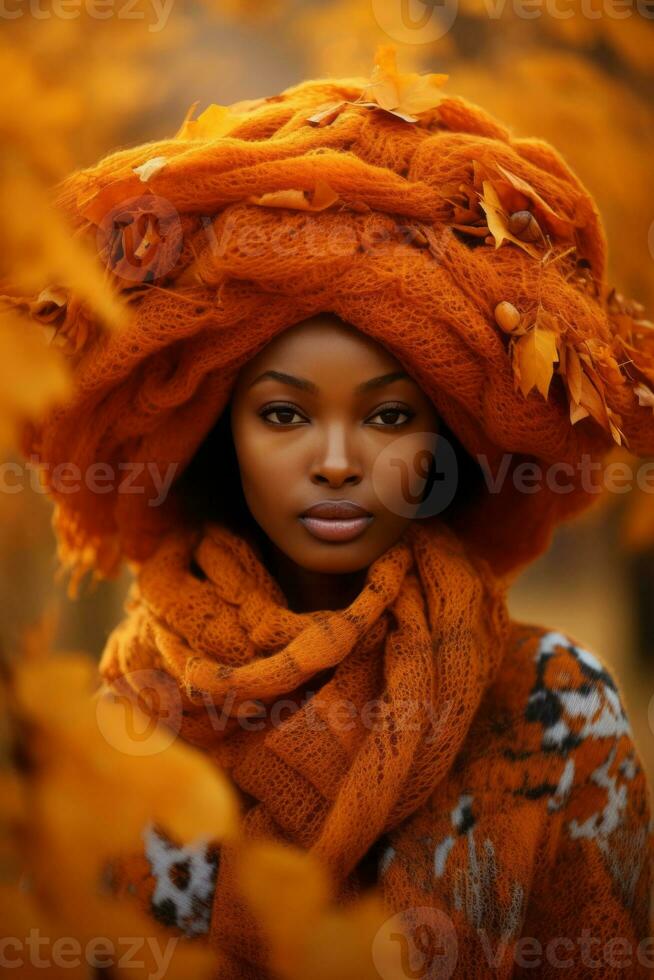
328	438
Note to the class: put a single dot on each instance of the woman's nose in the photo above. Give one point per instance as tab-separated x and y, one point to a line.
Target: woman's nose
337	461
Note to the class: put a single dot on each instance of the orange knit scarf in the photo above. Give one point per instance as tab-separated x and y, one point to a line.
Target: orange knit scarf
335	764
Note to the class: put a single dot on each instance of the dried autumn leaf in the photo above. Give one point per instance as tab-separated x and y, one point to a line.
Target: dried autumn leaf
49	303
618	435
327	113
562	227
323	197
591	397
214	122
645	395
573	374
151	167
403	94
577	412
498	220
535	354
600	357
474	230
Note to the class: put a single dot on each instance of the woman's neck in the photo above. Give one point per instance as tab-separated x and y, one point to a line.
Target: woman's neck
308	591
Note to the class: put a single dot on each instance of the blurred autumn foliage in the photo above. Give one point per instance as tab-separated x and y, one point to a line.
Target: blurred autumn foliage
81	778
77	87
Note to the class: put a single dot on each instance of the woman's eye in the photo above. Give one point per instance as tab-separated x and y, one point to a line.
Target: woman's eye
286	413
393	411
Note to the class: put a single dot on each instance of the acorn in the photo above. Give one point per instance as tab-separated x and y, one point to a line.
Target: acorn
524	226
507	316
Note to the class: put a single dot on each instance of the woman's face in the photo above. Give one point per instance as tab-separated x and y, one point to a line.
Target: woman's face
325	414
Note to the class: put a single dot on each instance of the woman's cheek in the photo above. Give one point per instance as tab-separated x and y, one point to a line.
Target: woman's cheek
400	471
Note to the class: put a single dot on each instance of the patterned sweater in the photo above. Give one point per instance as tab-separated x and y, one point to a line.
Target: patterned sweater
536	855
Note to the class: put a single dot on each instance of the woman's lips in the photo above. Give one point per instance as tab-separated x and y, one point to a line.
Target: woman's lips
336	529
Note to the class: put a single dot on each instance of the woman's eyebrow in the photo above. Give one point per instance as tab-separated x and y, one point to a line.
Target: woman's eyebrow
306	385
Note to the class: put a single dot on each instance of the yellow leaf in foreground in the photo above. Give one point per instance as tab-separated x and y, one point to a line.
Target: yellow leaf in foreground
287	890
33	376
43	251
90	796
309	934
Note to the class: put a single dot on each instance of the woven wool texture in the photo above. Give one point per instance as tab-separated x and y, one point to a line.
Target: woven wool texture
532	773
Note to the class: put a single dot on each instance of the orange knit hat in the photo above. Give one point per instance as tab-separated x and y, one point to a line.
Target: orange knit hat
476	258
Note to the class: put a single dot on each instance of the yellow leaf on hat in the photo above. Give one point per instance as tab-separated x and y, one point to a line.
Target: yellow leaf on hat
404	94
535	354
498	220
645	395
215	121
559	225
323	197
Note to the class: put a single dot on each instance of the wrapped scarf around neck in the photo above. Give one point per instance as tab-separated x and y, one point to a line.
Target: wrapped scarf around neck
377	697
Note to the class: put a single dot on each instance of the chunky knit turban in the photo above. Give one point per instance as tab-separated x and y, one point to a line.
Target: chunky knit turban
476	258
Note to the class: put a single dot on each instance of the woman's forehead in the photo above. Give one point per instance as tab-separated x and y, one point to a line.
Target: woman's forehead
317	343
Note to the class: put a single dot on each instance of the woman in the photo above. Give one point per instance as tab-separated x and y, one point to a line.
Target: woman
386	302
